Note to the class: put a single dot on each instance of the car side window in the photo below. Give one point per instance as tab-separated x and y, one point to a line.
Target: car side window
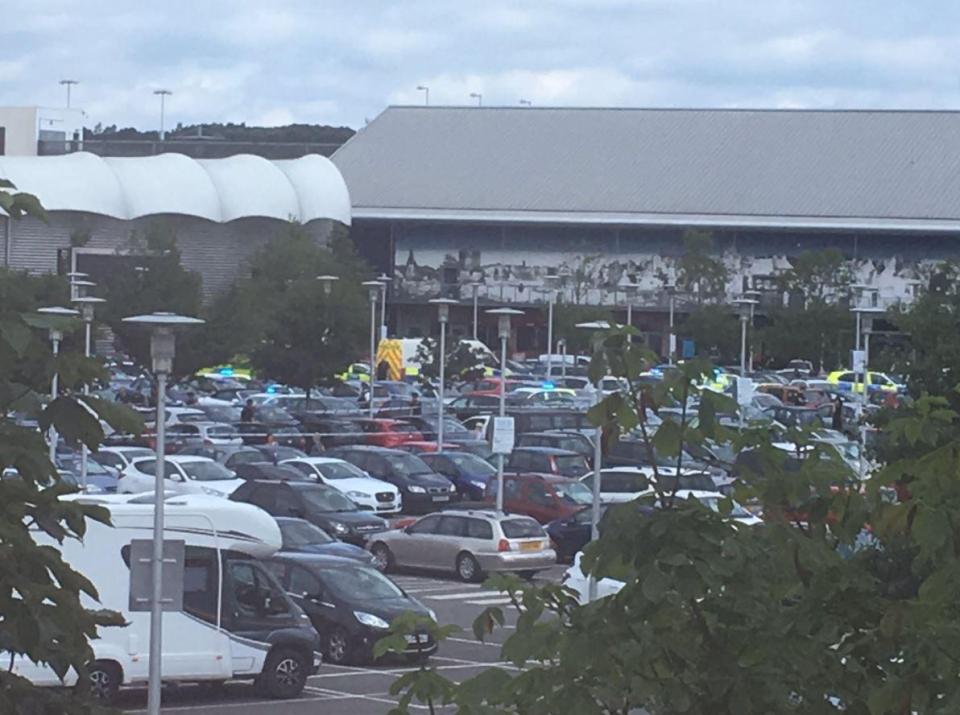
303	468
147	466
277	570
285	502
537	493
479	529
302	582
846	377
109	459
452	526
427	525
443	466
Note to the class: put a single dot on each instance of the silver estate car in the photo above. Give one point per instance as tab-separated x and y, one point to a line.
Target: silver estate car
470	543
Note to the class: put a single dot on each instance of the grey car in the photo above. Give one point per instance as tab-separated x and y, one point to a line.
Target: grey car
469	543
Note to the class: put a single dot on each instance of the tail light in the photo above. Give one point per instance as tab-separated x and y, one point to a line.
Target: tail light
503	545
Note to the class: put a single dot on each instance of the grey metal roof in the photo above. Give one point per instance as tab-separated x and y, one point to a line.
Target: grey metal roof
888	169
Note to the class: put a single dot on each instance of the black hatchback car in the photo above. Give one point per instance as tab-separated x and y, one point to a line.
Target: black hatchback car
317	503
350	604
422	489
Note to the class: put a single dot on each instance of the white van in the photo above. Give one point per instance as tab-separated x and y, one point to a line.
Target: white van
236	623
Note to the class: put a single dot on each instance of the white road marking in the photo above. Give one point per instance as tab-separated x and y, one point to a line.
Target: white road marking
486	643
464	594
500	601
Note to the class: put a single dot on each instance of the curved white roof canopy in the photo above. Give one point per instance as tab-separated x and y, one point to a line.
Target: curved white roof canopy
221	190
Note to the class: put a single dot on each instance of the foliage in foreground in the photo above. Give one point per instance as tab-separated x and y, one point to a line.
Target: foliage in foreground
42	614
842	601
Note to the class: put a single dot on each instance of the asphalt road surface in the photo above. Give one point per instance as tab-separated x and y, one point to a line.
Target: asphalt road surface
345	690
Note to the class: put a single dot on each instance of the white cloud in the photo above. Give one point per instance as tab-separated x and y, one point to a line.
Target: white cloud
341	61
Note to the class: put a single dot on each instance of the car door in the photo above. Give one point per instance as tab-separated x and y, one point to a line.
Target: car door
538	501
448	542
308	592
412	545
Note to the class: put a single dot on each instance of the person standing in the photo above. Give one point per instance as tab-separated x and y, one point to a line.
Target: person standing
247	413
838	414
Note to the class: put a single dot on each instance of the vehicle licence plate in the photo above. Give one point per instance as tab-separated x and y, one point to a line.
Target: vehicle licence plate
441	498
530	546
416	638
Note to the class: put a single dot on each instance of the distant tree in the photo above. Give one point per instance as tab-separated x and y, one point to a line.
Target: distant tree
158	283
464	362
566	317
281	316
698	272
715	331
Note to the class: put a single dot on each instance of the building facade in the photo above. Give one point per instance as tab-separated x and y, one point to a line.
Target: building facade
447	196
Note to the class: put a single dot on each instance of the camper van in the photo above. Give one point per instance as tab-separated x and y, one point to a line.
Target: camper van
236	623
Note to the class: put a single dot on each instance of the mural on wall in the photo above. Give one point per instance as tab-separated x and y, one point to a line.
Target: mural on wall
596	279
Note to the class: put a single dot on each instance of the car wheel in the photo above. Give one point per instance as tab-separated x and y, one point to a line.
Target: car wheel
284	674
382	558
468	569
338	647
104	679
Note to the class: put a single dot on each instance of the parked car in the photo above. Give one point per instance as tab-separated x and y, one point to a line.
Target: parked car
317	503
421	488
330	431
571	441
547	460
571	533
847	381
182	474
100	479
300	536
205	433
230	456
260	433
469	543
471	405
468	472
351	605
540	496
541	397
384	432
120	457
267	471
428	425
373	494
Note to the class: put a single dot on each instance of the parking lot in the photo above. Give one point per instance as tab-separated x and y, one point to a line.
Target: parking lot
363	690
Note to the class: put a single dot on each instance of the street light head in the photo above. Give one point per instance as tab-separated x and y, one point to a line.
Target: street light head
87	304
76	275
503	320
443	307
630	289
373	289
745	305
328	281
59	311
162	339
162	91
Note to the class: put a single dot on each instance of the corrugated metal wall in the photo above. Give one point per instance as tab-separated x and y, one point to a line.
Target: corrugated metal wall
219	252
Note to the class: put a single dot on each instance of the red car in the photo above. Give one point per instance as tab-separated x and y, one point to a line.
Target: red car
491	386
544	497
384	432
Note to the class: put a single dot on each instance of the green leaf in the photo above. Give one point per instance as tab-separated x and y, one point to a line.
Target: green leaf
73	420
654	586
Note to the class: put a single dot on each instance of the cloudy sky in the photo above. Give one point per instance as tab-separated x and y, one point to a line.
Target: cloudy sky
341	62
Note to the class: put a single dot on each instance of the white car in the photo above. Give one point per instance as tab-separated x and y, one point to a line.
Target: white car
120	457
366	491
210	434
184	475
623	484
574	578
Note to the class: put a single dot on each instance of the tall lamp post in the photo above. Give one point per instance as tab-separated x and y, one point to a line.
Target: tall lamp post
597	463
87	305
373	290
504	315
163	94
55	333
671	336
162	349
385	279
443	314
630	290
865	317
426	94
745	307
550	285
753	295
475	285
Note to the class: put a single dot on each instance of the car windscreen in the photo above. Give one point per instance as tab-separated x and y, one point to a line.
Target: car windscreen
353	582
268	413
303	533
327	499
407	465
572	465
222	413
340	470
521	528
573	492
473	464
206	471
245	457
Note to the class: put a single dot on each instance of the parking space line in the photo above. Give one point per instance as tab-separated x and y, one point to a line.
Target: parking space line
486	643
464	594
501	601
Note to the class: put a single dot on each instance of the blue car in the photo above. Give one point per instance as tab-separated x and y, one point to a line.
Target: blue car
570	533
300	536
468	472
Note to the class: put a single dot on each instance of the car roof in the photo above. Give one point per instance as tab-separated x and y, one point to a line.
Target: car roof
188	458
541	476
549	451
553	433
313	460
122	448
367	448
294	483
